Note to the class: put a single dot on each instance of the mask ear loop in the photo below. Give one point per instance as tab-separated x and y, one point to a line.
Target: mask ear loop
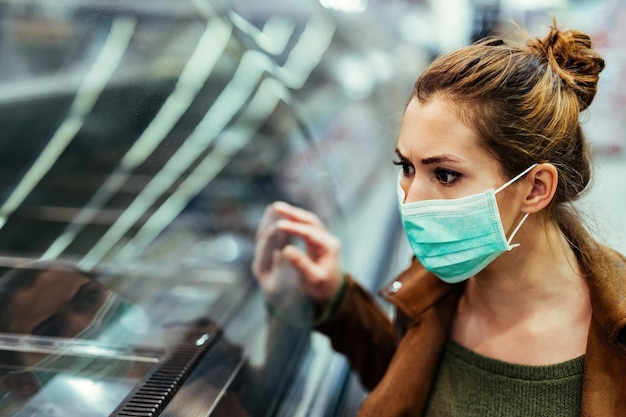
517	177
502	187
508	242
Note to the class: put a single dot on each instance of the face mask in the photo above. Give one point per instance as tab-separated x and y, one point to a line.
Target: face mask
456	238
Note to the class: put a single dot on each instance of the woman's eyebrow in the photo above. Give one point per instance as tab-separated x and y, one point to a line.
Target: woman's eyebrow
433	159
440	158
400	154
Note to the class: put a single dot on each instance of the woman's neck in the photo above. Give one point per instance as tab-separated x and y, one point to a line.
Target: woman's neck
527	298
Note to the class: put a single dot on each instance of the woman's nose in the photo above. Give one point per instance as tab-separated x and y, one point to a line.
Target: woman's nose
412	192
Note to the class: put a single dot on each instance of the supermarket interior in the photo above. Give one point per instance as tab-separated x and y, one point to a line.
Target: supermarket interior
142	142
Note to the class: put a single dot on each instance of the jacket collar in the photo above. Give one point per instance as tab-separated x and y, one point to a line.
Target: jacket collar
416	290
607	290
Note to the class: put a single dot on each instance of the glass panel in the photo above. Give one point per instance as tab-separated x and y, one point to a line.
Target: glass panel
142	145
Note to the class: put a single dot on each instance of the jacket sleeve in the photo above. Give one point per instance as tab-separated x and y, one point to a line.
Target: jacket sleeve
360	330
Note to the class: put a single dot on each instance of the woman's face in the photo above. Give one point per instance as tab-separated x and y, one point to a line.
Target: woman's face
441	158
57	304
440	155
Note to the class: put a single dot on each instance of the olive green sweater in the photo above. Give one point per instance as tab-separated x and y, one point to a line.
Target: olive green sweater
469	384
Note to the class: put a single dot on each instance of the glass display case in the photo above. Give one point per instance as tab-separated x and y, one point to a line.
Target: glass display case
141	143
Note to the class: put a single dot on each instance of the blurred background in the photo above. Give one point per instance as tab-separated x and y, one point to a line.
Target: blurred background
142	141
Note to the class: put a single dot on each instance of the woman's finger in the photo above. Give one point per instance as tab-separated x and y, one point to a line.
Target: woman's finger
301	261
312	235
268	220
319	281
269	239
296	213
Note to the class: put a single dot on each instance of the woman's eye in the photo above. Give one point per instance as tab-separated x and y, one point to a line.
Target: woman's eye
446	177
51	327
407	168
86	298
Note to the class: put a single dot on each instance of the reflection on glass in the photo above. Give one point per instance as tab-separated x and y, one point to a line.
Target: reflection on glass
280	282
62	328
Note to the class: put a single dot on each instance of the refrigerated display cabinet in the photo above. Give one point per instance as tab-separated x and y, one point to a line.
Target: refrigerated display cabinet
141	143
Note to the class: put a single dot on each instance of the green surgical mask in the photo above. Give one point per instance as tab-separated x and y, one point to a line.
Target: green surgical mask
457	238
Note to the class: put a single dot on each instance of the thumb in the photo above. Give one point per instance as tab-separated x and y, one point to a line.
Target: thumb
300	261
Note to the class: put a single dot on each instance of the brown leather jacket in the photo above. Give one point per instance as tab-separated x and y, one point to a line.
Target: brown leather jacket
398	360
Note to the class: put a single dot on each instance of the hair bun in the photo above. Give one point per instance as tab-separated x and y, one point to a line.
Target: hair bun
573	59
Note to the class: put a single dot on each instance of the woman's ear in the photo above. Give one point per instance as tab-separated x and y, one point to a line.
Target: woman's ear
543	180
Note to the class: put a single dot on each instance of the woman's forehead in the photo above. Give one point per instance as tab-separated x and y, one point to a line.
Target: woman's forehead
435	127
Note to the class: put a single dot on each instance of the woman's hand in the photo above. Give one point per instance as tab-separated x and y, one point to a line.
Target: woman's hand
318	266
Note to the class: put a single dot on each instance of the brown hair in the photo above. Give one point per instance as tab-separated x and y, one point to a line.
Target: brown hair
524	102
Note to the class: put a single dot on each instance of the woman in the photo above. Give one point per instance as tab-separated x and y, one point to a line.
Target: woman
509	307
